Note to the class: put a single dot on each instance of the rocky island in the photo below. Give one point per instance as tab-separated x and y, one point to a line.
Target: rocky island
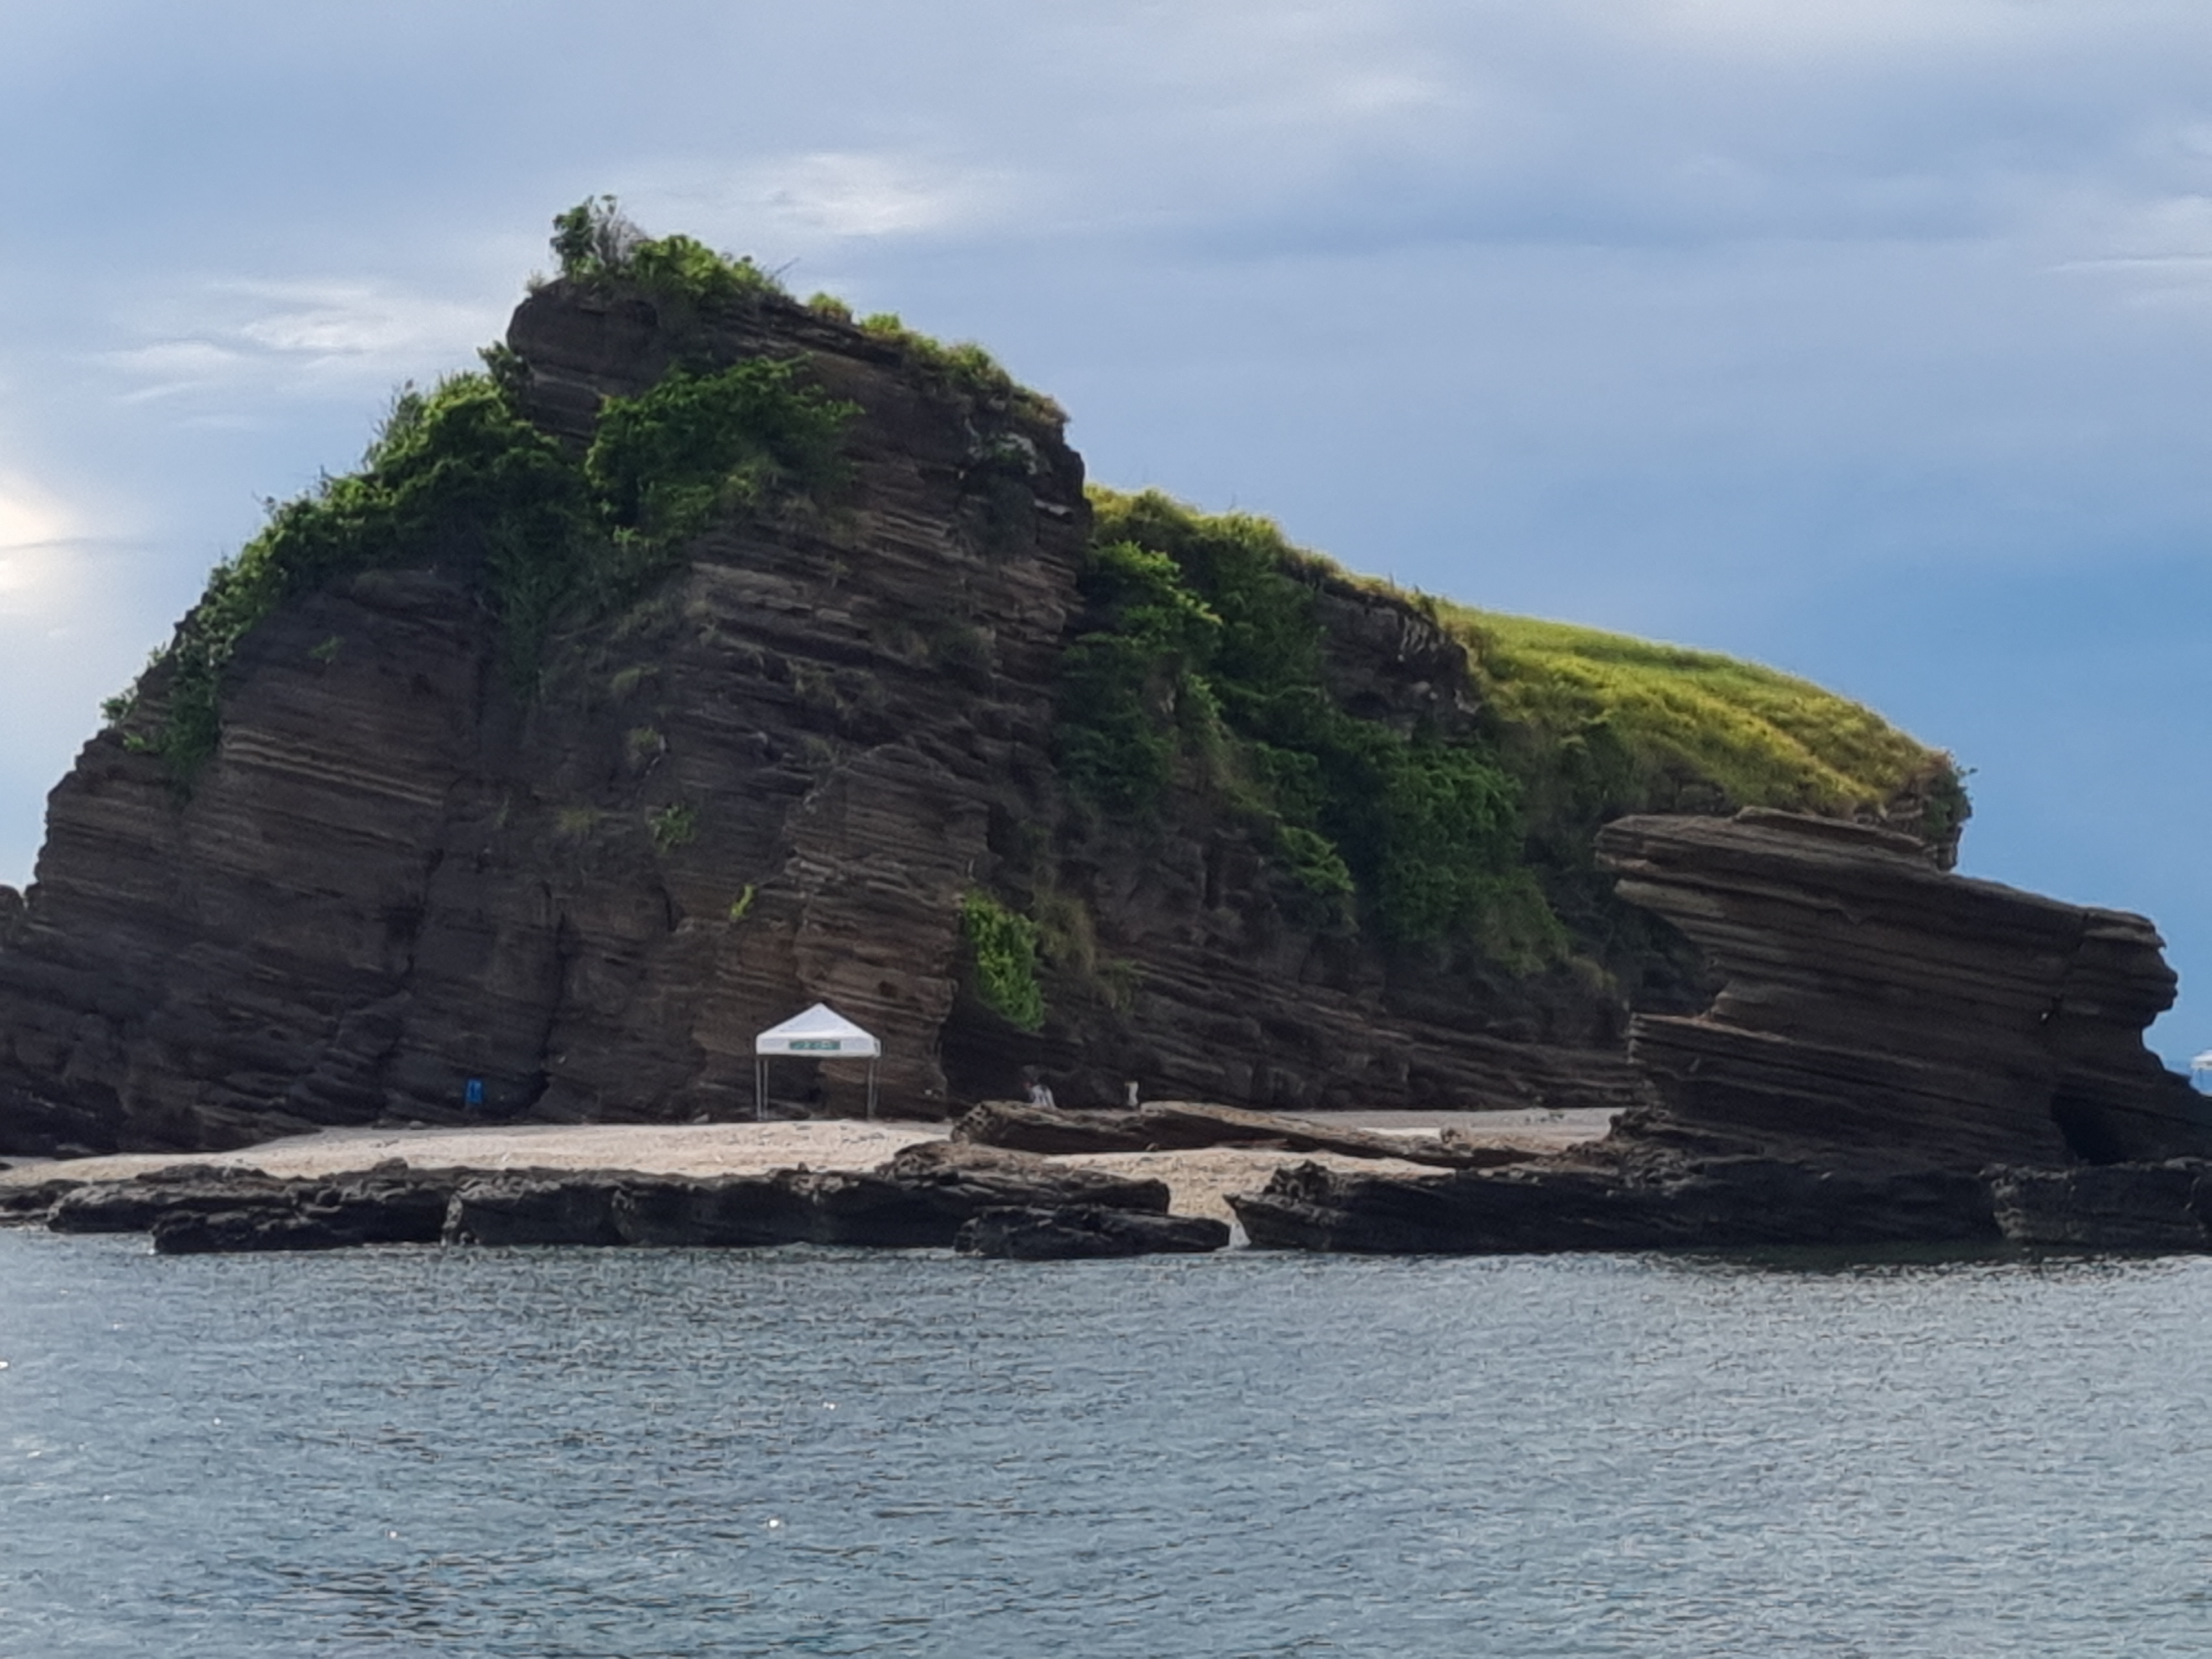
710	654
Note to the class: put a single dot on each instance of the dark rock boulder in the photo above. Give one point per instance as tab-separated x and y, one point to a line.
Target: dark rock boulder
919	1199
385	1205
538	1206
896	1211
982	1174
1606	1206
918	1204
197	1209
721	1212
2119	1206
251	1227
25	1205
1177	1126
1078	1231
1875	1009
134	1205
1018	1127
883	1213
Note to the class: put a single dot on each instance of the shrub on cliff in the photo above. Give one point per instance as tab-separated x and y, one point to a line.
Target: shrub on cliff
1198	659
1002	950
661	463
455	470
596	242
1200	656
460	476
963	369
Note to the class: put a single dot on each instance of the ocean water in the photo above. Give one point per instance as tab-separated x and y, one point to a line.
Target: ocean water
632	1453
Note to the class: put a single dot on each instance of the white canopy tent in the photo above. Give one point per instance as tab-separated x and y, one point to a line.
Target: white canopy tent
820	1033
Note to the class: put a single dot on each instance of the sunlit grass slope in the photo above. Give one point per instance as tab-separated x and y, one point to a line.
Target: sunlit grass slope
1653	720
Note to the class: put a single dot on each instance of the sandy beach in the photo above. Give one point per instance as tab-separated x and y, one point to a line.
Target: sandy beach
1198	1181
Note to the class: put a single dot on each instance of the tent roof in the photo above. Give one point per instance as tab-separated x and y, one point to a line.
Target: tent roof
820	1031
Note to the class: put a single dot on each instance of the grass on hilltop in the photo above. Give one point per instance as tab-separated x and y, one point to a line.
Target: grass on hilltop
1200	662
1645	721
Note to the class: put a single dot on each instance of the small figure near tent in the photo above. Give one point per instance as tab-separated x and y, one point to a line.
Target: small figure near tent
1039	1092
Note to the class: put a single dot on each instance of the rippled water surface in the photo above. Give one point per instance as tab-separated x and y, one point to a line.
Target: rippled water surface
636	1453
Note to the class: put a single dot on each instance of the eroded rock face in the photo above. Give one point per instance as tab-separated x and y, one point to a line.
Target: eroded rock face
2115	1206
766	782
1878	1010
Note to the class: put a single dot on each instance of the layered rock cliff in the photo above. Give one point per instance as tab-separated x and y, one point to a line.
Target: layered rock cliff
1874	1009
1895	1052
565	766
766	780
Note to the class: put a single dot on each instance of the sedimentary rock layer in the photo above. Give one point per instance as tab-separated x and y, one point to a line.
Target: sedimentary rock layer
919	1201
1875	1010
1887	1039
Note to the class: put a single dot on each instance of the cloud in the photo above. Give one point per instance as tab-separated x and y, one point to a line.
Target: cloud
282	337
812	202
861	195
1821	28
39	584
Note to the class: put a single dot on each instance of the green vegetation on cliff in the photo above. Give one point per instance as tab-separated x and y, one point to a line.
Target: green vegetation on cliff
1002	953
459	474
596	242
1201	661
1638	723
1202	658
1202	667
453	467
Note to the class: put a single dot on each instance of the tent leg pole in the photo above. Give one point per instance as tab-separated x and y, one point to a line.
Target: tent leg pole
871	1087
760	1090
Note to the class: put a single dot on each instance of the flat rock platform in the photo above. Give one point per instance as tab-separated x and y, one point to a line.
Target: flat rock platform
1198	1181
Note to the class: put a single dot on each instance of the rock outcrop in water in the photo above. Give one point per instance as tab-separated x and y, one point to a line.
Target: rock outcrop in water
930	1196
1884	1035
1875	1009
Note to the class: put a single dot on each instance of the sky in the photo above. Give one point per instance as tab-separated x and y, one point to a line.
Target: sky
1871	339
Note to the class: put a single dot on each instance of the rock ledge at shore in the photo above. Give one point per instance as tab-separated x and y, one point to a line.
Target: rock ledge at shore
1896	1053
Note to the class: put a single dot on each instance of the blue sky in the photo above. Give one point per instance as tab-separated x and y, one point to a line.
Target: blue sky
1869	339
